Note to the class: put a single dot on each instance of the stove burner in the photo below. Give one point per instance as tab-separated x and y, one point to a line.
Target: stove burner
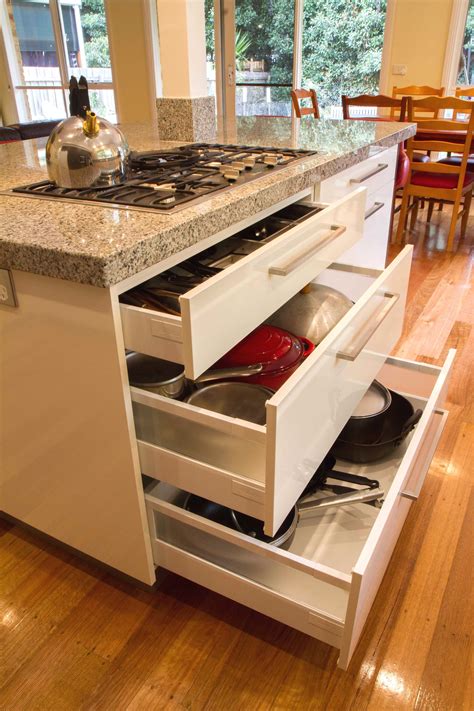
155	160
165	180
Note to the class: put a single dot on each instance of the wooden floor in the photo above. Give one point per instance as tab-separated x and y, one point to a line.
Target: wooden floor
75	637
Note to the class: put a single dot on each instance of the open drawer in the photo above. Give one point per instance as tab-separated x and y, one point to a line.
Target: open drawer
262	470
325	582
218	313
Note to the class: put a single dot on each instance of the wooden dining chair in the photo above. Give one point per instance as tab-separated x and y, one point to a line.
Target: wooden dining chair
298	95
377	101
437	180
417	91
466	93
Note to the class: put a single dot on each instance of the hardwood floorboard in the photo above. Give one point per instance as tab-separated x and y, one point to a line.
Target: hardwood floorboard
77	639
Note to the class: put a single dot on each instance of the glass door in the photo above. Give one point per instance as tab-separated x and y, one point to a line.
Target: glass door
264	43
257	51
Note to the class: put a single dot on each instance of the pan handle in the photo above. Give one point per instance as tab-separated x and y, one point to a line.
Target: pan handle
358	344
237	372
409	425
359	497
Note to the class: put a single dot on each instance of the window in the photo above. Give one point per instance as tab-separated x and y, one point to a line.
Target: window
47	43
466	62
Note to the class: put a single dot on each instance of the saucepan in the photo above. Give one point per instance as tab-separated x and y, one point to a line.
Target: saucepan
254	527
166	378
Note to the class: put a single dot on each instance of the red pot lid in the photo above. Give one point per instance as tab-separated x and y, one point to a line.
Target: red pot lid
269	345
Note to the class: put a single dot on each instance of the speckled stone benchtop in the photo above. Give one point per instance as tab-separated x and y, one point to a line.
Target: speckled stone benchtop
104	245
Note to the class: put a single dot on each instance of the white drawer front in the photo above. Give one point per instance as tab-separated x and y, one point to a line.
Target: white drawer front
325	583
371	250
263	470
220	312
373	173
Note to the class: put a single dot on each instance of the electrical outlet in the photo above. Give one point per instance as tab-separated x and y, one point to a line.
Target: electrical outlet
7	289
400	69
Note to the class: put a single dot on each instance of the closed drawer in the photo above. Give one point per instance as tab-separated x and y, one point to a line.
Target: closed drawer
218	313
371	250
262	470
325	582
372	174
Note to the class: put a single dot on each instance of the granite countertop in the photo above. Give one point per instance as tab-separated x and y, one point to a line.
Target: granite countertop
104	245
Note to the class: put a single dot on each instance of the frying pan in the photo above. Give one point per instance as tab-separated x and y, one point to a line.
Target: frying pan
253	527
398	421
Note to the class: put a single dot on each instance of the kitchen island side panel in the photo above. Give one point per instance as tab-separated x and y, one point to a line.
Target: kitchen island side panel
69	465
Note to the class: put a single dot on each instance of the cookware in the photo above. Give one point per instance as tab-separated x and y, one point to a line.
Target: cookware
398	421
166	378
367	421
313	312
82	154
159	376
242	400
254	527
279	352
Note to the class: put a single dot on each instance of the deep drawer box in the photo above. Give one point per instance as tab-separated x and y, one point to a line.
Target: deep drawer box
324	585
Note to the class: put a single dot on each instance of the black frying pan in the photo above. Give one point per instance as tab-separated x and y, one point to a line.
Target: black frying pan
253	527
399	420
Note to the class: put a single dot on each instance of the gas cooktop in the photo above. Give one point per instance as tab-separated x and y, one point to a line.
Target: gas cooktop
169	180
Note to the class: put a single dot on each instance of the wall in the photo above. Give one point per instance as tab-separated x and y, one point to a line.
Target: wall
132	60
419	37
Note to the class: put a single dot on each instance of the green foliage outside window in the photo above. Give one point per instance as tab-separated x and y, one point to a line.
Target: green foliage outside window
342	43
94	28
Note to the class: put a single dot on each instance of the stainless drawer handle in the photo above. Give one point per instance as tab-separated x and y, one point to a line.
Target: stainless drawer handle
286	267
368	330
378	169
372	210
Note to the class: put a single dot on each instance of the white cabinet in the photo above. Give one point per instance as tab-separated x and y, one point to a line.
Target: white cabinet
324	581
376	174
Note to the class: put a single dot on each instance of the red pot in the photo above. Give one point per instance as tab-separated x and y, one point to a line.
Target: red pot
279	352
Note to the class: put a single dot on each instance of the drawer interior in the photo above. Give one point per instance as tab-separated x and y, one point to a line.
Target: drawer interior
333	537
161	293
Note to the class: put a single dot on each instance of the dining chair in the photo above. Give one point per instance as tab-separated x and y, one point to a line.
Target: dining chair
464	92
418	91
439	181
298	95
373	101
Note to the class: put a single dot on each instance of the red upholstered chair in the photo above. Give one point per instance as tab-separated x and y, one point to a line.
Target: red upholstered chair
440	181
298	95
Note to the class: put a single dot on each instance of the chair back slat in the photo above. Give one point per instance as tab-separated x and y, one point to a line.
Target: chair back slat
447	146
300	94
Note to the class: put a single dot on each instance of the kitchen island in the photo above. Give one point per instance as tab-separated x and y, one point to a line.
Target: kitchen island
71	463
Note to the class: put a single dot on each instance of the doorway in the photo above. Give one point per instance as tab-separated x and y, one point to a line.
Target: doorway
259	49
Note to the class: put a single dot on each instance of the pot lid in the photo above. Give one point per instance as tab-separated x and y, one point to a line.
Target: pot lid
268	345
146	370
